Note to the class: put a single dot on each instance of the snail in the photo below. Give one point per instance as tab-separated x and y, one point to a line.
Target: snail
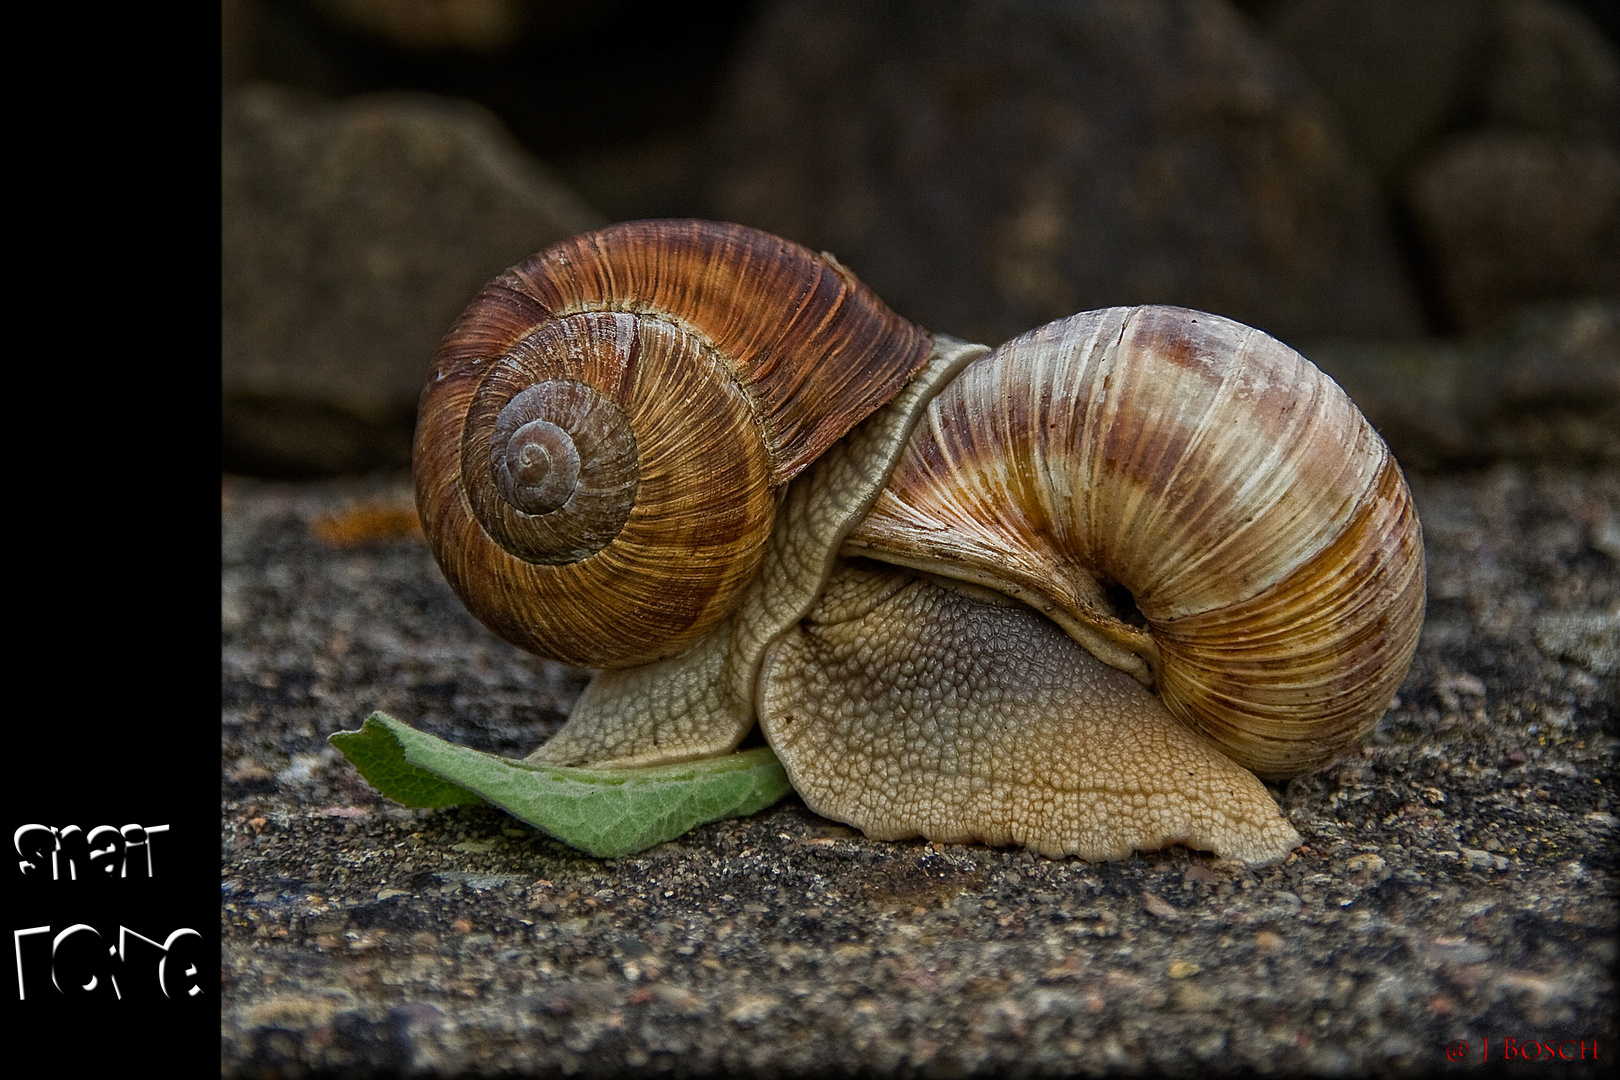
1077	593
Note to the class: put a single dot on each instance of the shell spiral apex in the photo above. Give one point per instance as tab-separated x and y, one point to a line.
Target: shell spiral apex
605	428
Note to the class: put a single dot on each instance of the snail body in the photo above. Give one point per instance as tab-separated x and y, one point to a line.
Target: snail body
862	612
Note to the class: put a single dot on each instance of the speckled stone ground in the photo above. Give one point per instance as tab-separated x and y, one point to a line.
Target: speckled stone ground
1457	883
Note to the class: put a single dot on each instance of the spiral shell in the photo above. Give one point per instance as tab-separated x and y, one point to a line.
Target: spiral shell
606	425
1261	527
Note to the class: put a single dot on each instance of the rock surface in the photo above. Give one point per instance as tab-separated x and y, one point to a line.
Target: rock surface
988	166
1494	127
1397	71
1519	218
1546	387
352	235
1458	881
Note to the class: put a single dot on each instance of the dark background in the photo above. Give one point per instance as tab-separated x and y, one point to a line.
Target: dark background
1342	175
578	82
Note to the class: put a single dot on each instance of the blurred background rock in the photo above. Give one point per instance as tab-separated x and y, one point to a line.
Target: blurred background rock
1421	195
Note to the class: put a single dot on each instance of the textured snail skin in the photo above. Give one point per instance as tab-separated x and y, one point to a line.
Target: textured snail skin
914	706
979	681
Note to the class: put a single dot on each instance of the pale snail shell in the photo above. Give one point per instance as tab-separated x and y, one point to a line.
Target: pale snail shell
1259	523
1262	528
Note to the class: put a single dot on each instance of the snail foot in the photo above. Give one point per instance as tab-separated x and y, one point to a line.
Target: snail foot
910	705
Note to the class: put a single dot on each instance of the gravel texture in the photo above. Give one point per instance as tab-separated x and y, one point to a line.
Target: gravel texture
1457	880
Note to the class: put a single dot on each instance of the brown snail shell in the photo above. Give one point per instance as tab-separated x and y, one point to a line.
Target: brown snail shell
1262	528
605	428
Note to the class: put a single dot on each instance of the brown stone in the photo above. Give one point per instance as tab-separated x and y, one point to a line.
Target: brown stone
352	235
989	166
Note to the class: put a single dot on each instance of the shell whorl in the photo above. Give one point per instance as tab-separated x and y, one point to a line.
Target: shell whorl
1262	528
601	438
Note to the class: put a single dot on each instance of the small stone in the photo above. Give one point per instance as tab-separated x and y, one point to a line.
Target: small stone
1588	638
1366	863
1483	860
1159	907
1458	950
1199	874
751	1009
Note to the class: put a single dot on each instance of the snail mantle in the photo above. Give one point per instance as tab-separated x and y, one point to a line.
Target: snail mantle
1078	593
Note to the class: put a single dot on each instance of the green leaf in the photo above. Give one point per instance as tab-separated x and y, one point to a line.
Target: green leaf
380	758
606	812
